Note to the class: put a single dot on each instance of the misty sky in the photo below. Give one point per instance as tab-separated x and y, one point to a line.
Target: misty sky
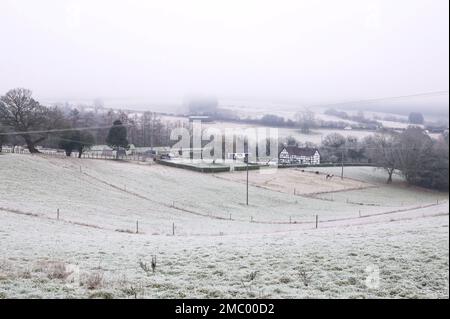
321	51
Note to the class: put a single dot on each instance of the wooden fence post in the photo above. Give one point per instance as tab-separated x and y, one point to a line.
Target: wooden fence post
317	221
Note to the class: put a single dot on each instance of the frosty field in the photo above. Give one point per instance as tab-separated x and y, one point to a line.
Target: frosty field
206	241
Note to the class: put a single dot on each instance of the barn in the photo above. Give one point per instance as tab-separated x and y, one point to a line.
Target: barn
299	155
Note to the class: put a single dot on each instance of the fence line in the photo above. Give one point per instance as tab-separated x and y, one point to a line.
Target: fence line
289	220
105	155
172	230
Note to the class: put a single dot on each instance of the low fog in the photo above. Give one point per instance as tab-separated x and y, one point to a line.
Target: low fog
295	52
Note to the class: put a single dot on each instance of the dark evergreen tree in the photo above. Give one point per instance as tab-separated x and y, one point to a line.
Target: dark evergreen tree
117	137
84	140
3	138
67	143
76	141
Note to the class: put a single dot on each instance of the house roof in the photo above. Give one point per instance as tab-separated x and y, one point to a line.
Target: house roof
300	151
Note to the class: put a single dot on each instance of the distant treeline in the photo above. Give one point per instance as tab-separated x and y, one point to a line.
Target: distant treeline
24	121
422	160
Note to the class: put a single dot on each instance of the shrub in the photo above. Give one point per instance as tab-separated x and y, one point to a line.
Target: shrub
93	281
57	270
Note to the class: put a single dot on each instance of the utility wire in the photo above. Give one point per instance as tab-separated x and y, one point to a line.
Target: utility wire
434	93
425	94
64	130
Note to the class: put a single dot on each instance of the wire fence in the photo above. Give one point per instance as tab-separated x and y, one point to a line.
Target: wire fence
177	228
103	154
185	207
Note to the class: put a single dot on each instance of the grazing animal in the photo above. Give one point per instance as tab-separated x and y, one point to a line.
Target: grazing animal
330	176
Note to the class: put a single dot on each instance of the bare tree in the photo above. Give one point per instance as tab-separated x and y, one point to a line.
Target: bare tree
152	129
306	120
384	151
23	114
420	159
334	140
333	147
414	149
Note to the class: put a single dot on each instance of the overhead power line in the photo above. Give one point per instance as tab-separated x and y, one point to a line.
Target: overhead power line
63	130
434	93
425	94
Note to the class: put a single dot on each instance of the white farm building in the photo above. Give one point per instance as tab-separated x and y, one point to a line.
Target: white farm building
299	155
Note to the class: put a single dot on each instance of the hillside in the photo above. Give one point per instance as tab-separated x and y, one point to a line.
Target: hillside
401	231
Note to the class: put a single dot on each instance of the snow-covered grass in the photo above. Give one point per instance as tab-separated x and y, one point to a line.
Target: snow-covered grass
315	136
362	173
411	256
295	180
92	250
396	194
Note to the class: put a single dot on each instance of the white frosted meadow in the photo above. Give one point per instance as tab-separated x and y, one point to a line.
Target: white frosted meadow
376	241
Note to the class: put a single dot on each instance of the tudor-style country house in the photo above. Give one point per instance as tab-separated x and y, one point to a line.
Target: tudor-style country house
299	155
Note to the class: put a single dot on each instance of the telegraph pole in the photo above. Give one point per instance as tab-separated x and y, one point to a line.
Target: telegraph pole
246	157
342	164
151	135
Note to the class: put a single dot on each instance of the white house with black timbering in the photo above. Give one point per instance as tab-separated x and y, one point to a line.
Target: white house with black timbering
299	155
